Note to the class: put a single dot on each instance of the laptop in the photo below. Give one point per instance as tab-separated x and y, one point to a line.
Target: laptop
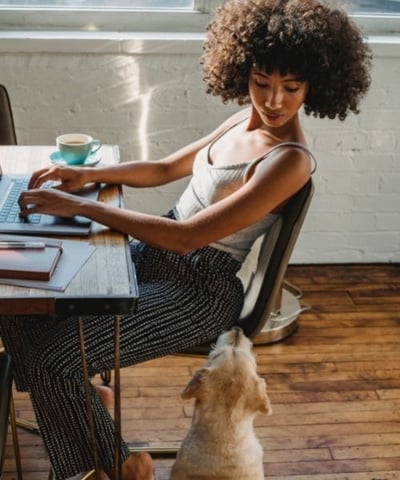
38	224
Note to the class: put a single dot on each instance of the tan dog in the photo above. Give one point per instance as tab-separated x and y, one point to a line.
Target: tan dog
221	443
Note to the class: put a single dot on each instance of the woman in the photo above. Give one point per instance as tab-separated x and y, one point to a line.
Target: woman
275	56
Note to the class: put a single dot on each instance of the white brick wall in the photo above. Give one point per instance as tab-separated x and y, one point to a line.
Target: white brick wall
151	103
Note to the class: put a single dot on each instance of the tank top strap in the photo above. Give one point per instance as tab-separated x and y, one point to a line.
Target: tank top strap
277	147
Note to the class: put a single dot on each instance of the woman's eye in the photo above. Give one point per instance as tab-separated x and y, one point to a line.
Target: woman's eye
292	89
260	84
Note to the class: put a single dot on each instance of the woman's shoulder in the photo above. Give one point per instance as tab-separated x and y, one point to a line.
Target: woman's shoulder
290	155
290	148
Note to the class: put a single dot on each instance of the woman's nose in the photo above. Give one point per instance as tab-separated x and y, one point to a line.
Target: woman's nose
274	99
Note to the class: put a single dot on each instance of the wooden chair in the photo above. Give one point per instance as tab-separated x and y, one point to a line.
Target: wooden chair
7	127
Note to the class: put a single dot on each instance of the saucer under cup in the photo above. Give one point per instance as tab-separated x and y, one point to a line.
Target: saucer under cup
91	160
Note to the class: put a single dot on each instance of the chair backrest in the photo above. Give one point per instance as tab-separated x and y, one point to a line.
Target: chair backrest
6	378
275	252
265	284
7	127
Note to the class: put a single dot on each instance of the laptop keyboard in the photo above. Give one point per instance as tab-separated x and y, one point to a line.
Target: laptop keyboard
10	209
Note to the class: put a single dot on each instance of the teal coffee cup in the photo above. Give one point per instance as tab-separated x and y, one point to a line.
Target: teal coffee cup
75	148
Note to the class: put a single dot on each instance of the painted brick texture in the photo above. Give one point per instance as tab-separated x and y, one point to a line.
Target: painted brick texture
152	104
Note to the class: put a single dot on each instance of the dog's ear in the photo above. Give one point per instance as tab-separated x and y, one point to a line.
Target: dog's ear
193	388
263	404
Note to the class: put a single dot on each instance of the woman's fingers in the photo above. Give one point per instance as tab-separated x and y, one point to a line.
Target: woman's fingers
50	201
41	176
70	179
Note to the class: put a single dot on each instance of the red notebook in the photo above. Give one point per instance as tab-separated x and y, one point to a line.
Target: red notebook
30	263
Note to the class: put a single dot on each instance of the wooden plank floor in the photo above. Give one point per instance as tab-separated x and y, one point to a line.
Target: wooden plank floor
334	386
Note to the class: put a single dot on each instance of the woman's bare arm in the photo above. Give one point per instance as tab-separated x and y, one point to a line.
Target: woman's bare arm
270	186
134	174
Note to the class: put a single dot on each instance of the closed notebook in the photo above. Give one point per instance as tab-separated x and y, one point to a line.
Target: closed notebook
30	263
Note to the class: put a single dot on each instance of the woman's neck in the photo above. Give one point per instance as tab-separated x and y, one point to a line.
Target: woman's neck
290	132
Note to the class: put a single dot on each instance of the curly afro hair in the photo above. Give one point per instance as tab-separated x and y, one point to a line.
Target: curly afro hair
317	43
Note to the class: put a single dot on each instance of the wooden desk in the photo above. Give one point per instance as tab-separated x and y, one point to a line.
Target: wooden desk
115	289
105	284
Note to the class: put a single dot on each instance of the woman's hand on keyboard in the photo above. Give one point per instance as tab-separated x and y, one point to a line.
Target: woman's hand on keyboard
50	201
70	179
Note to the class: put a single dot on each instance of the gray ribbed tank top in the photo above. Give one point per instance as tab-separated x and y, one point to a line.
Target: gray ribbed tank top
211	183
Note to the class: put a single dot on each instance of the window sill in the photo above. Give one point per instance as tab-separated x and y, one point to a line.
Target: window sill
133	43
26	41
385	46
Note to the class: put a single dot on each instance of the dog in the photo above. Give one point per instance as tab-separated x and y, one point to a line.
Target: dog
221	444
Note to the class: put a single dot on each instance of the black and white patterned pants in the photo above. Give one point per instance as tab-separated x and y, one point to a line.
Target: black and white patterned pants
183	301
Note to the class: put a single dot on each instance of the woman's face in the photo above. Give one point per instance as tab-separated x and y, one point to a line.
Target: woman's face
276	98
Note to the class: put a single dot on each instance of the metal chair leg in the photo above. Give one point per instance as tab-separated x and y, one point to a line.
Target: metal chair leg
14	433
117	398
89	410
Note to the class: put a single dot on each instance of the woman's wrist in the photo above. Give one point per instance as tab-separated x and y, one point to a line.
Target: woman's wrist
91	175
105	174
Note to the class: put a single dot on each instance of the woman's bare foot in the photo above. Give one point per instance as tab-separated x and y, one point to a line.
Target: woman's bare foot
138	466
106	395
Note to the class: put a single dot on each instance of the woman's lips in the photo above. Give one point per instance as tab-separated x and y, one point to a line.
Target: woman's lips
273	117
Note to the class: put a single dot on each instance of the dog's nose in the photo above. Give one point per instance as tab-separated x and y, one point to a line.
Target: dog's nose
237	332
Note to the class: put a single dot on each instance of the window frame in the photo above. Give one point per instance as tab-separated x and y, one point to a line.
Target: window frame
171	20
383	24
109	19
